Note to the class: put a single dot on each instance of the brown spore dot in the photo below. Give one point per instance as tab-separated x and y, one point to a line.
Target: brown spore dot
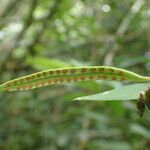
57	71
64	71
30	87
92	69
49	81
68	79
83	70
113	78
7	89
18	88
91	77
101	69
44	73
72	70
9	84
37	84
55	80
75	78
33	76
42	83
111	70
120	72
27	87
123	79
24	87
61	79
51	72
15	82
38	75
28	78
104	77
82	78
100	77
21	80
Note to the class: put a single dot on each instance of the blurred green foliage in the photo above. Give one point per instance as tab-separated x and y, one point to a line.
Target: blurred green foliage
41	34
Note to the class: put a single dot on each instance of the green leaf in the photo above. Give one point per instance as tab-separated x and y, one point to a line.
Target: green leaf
128	92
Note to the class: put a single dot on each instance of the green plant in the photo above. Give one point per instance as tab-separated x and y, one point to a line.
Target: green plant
75	74
62	75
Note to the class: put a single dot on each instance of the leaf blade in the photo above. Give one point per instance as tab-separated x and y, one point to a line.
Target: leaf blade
129	92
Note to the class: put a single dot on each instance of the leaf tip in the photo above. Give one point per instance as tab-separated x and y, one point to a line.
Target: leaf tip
77	99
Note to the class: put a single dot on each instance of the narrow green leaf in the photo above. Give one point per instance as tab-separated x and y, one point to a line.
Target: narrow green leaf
71	74
128	92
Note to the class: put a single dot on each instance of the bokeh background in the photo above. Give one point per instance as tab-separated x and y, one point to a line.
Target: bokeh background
37	35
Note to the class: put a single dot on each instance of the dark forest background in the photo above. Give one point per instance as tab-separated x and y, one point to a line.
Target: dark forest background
36	35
